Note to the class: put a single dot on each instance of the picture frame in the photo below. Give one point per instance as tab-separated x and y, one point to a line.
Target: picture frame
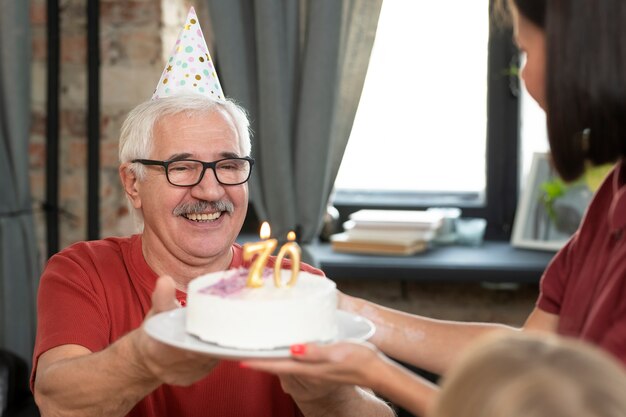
549	211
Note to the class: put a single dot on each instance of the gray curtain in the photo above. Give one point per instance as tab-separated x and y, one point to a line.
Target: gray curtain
298	67
18	258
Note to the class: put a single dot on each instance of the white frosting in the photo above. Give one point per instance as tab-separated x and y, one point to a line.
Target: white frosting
263	318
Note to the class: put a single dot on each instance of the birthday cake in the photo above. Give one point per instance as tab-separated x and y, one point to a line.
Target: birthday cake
222	309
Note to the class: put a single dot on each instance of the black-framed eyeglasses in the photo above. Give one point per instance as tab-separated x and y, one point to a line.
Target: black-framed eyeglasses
189	172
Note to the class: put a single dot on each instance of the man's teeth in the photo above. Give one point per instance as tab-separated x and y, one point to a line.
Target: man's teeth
204	216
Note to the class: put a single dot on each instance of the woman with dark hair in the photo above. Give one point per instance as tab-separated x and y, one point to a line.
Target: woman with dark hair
575	68
583	92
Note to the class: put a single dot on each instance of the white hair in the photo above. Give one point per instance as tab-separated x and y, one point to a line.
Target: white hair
136	136
137	130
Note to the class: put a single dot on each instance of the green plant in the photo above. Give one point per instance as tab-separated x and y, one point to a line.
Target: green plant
552	190
555	188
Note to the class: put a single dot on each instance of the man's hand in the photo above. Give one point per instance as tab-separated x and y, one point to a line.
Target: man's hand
169	364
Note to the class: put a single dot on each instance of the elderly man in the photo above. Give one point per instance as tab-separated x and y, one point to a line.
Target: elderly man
92	356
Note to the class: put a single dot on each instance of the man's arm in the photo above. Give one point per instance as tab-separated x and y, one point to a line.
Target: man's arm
73	381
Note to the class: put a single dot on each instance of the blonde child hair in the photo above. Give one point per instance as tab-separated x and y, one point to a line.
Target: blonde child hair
517	375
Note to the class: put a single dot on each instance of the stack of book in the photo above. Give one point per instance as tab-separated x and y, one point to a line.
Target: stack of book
387	232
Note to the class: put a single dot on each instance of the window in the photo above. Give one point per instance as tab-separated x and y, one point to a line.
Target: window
438	115
533	132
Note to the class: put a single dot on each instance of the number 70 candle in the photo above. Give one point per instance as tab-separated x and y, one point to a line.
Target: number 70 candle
264	249
292	249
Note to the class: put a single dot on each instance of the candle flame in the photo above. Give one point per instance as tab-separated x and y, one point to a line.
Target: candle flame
291	236
265	231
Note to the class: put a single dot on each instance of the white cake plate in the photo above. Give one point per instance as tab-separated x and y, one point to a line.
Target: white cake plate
169	328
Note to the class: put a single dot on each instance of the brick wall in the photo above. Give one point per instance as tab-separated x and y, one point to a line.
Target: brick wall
37	145
130	36
131	41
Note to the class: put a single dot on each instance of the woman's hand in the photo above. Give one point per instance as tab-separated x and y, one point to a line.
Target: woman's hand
326	380
348	362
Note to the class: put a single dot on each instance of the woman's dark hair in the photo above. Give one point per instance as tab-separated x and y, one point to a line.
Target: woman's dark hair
585	79
533	10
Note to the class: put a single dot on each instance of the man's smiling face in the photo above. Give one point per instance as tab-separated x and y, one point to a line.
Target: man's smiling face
200	222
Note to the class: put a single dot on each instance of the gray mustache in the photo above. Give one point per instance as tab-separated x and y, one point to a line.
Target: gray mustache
199	207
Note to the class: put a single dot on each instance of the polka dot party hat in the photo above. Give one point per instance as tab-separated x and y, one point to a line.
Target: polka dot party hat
189	68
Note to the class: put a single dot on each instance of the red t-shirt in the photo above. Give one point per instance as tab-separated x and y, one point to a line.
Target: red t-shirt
585	282
93	293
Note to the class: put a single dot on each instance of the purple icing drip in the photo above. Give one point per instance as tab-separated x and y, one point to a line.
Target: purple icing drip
233	282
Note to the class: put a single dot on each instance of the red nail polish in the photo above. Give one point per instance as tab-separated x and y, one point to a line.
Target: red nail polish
298	349
243	365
